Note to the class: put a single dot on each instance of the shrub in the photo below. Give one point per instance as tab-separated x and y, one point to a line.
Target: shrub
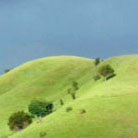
75	86
61	102
106	70
68	109
73	94
82	111
40	108
69	90
97	77
110	76
73	90
97	61
42	134
19	120
6	70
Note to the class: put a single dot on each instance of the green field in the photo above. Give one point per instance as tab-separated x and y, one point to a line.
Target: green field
111	106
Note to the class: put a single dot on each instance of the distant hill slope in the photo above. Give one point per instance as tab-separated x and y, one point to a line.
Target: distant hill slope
111	106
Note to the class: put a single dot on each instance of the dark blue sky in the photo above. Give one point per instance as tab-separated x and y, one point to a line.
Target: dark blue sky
31	29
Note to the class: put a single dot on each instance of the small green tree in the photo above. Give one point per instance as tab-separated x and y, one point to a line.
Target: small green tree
97	61
19	120
40	108
106	70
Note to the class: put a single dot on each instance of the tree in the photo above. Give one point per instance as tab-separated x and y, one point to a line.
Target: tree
97	61
19	120
106	70
40	108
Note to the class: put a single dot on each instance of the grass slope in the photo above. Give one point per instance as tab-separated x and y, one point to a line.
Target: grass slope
111	106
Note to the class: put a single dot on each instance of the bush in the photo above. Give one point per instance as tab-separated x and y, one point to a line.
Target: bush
106	70
19	120
40	108
73	90
68	109
61	102
73	95
42	134
69	91
110	76
97	61
75	86
6	70
82	111
97	77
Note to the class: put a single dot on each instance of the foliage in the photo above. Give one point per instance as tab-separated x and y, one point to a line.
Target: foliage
82	111
97	77
75	86
19	120
68	109
106	70
6	70
73	95
97	61
40	108
110	76
42	134
73	90
61	102
69	91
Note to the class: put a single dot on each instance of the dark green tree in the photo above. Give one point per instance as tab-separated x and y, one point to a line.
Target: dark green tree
40	108
19	120
97	61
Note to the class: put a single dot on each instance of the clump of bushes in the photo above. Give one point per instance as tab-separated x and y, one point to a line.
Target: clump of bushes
106	71
19	120
40	108
69	109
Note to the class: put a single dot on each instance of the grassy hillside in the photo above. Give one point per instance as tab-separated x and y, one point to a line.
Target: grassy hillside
48	78
111	106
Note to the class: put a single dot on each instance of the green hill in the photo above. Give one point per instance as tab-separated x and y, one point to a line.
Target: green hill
111	106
